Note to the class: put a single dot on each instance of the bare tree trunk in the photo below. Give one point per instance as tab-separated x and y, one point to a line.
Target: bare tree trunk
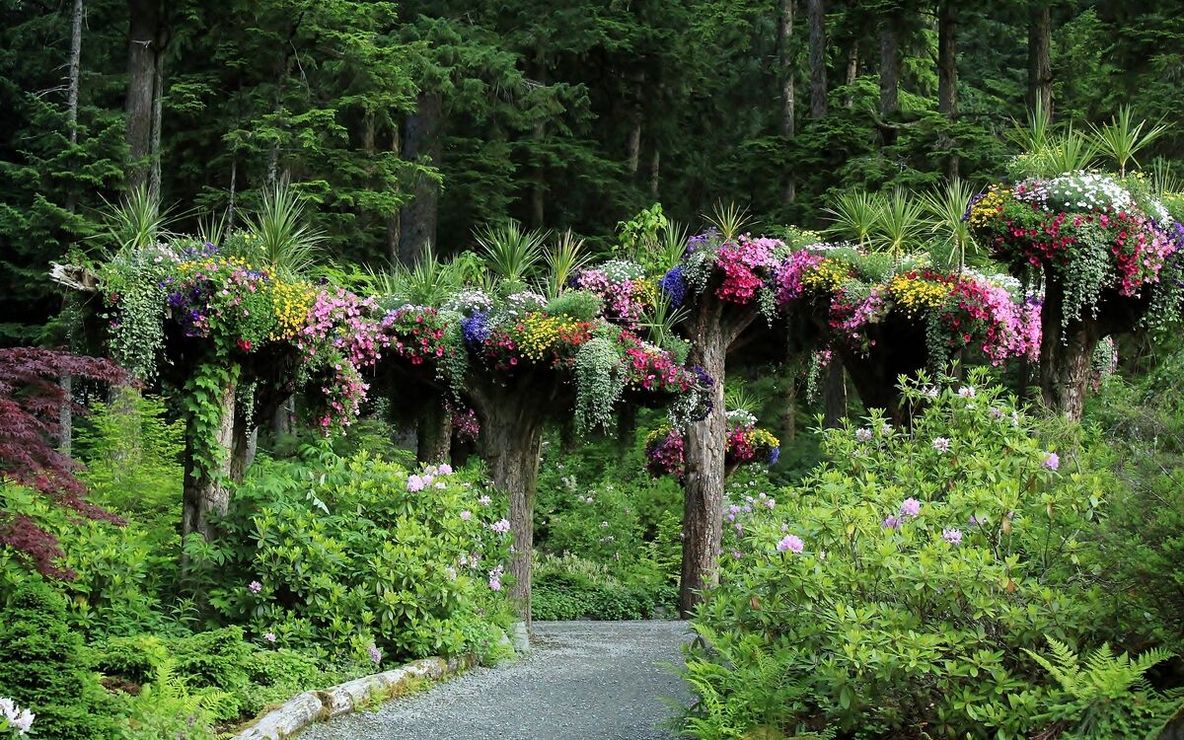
393	228
157	113
421	141
283	420
538	189
1040	59
655	171
205	494
889	68
852	72
947	73
233	193
817	13
1065	353
141	87
75	71
512	435
788	75
66	416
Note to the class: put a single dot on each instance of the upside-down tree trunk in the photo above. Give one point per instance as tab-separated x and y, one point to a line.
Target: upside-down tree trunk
1066	353
205	494
433	433
512	435
817	15
703	488
1040	58
834	393
421	142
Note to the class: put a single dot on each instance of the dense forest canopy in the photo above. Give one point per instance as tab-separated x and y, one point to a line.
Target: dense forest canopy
409	124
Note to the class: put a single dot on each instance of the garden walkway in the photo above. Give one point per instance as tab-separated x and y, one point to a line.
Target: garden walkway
583	680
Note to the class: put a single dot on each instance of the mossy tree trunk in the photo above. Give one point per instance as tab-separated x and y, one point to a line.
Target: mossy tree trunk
433	433
205	494
703	489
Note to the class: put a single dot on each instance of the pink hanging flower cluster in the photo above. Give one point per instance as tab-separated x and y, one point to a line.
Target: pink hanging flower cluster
415	333
342	335
745	264
624	299
790	273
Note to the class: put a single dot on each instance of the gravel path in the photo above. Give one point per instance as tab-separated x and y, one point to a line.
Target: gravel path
582	680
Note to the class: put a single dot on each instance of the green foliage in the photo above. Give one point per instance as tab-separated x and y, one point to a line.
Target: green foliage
931	559
280	237
570	587
581	305
347	556
42	666
511	252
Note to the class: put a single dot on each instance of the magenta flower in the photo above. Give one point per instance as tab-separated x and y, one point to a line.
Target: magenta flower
952	536
254	587
791	543
1052	461
910	507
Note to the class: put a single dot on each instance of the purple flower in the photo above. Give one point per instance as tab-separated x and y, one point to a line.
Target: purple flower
501	526
475	329
952	536
891	522
495	578
941	444
910	507
674	285
774	455
416	483
466	515
1052	461
254	587
375	654
485	501
736	554
863	434
791	543
269	636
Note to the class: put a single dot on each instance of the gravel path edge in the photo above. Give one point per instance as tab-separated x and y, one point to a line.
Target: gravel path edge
309	707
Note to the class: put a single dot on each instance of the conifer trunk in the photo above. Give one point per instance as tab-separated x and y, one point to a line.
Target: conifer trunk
889	68
852	72
947	74
817	15
788	92
141	87
422	141
1040	58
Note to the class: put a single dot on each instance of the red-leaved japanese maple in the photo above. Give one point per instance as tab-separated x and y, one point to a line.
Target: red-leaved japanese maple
31	396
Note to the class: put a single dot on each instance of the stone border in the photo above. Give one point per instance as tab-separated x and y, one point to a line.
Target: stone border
304	709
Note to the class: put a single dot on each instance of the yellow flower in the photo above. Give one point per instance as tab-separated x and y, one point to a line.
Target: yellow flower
916	293
539	334
987	207
290	303
762	438
826	276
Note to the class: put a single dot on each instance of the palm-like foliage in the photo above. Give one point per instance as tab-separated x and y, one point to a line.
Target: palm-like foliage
1035	135
741	398
901	223
284	241
136	221
944	208
212	228
730	219
428	282
1122	138
672	245
660	321
854	215
1067	152
511	252
563	260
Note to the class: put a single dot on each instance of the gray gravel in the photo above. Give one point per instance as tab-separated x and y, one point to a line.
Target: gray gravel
583	680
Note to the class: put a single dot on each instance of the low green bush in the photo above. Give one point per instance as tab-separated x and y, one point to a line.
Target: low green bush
570	587
358	557
904	587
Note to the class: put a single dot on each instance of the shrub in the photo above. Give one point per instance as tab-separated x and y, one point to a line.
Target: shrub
345	554
42	668
899	588
570	587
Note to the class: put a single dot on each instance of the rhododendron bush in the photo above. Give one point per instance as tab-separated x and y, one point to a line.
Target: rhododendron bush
903	587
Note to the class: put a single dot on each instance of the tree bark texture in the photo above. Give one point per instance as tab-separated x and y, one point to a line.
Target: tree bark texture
205	493
512	437
141	87
75	70
785	45
947	60
889	68
421	142
703	488
157	116
817	16
1065	353
852	72
433	433
1040	58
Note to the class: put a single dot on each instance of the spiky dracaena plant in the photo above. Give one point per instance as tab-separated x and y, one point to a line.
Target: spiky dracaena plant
731	219
901	224
511	252
1121	139
285	242
854	215
564	259
136	221
944	208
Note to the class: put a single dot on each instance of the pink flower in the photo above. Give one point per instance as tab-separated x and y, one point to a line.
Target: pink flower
910	507
466	515
891	522
485	501
269	636
941	444
501	526
254	587
1052	461
952	536
416	483
791	543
